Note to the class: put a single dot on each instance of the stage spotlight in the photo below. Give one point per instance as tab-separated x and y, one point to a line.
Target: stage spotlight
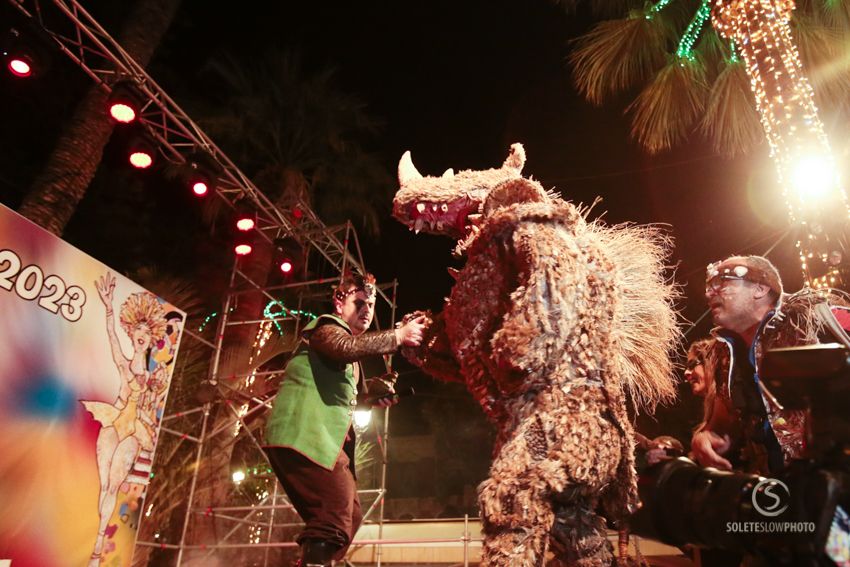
290	255
200	180
140	152
202	172
246	219
20	59
124	102
243	245
243	248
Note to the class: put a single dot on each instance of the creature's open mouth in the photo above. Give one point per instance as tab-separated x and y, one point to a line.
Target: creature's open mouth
456	218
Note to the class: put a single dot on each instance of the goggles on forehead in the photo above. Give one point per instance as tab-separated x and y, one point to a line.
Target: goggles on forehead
716	277
367	288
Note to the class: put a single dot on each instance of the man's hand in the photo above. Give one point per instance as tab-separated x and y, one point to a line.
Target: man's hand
409	334
707	446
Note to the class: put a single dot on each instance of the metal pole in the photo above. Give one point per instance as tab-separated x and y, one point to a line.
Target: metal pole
222	325
193	484
466	540
385	444
219	340
271	522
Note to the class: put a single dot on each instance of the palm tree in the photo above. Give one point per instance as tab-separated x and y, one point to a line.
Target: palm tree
690	79
56	192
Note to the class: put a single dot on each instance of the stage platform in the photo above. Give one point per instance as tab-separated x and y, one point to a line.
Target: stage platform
454	542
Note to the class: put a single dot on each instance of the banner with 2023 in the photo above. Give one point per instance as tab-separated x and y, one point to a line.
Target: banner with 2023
86	357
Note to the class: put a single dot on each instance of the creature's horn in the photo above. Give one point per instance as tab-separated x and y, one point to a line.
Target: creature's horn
449	173
406	170
516	159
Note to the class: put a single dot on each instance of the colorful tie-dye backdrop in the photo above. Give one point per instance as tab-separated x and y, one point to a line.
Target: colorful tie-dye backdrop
56	352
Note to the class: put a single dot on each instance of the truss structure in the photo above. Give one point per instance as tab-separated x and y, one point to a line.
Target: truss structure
84	40
221	406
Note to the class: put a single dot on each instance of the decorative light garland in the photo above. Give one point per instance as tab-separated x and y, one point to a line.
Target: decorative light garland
693	31
284	312
657	7
784	99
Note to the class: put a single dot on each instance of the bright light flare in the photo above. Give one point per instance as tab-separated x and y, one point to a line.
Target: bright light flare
814	178
286	266
362	418
243	249
238	476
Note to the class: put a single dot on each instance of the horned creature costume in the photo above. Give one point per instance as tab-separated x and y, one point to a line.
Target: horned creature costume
553	323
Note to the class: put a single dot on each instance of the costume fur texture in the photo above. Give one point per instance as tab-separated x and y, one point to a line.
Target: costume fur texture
552	324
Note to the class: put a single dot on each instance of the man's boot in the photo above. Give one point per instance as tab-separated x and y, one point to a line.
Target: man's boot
317	553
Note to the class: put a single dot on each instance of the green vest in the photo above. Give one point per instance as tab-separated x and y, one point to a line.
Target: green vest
315	404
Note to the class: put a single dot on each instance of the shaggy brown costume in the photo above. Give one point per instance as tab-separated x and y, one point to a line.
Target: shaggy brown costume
551	323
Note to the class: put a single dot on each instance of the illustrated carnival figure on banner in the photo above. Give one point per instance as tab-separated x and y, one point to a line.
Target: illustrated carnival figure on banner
553	324
128	424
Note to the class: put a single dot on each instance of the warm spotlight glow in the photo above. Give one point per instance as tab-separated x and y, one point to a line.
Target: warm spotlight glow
362	418
20	67
199	188
813	178
286	266
816	201
123	113
243	249
141	159
238	476
245	224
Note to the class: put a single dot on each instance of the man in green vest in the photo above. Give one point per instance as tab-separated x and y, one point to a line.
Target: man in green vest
309	434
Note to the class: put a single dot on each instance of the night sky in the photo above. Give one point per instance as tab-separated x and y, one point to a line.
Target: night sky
456	82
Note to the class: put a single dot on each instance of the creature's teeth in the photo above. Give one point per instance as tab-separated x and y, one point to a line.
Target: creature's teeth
474	219
420	207
439	225
434	207
420	223
444	207
433	225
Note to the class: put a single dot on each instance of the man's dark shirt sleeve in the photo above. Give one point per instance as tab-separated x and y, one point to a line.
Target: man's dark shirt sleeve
335	343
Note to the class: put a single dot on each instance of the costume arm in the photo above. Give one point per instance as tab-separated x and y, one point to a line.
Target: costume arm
559	308
434	356
335	343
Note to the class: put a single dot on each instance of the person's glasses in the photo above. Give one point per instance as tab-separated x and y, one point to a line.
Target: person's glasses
692	363
718	282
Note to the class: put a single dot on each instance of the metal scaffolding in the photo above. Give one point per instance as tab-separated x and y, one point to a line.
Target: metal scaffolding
200	414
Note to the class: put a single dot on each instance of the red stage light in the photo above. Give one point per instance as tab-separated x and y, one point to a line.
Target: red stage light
286	266
141	159
20	66
245	223
243	249
122	112
199	188
125	102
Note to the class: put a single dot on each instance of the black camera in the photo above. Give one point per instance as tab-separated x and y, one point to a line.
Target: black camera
797	518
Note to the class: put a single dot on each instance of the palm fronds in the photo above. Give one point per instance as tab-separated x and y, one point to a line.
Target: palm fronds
618	54
666	111
731	122
825	53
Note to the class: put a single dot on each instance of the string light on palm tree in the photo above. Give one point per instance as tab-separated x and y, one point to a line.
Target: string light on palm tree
811	185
